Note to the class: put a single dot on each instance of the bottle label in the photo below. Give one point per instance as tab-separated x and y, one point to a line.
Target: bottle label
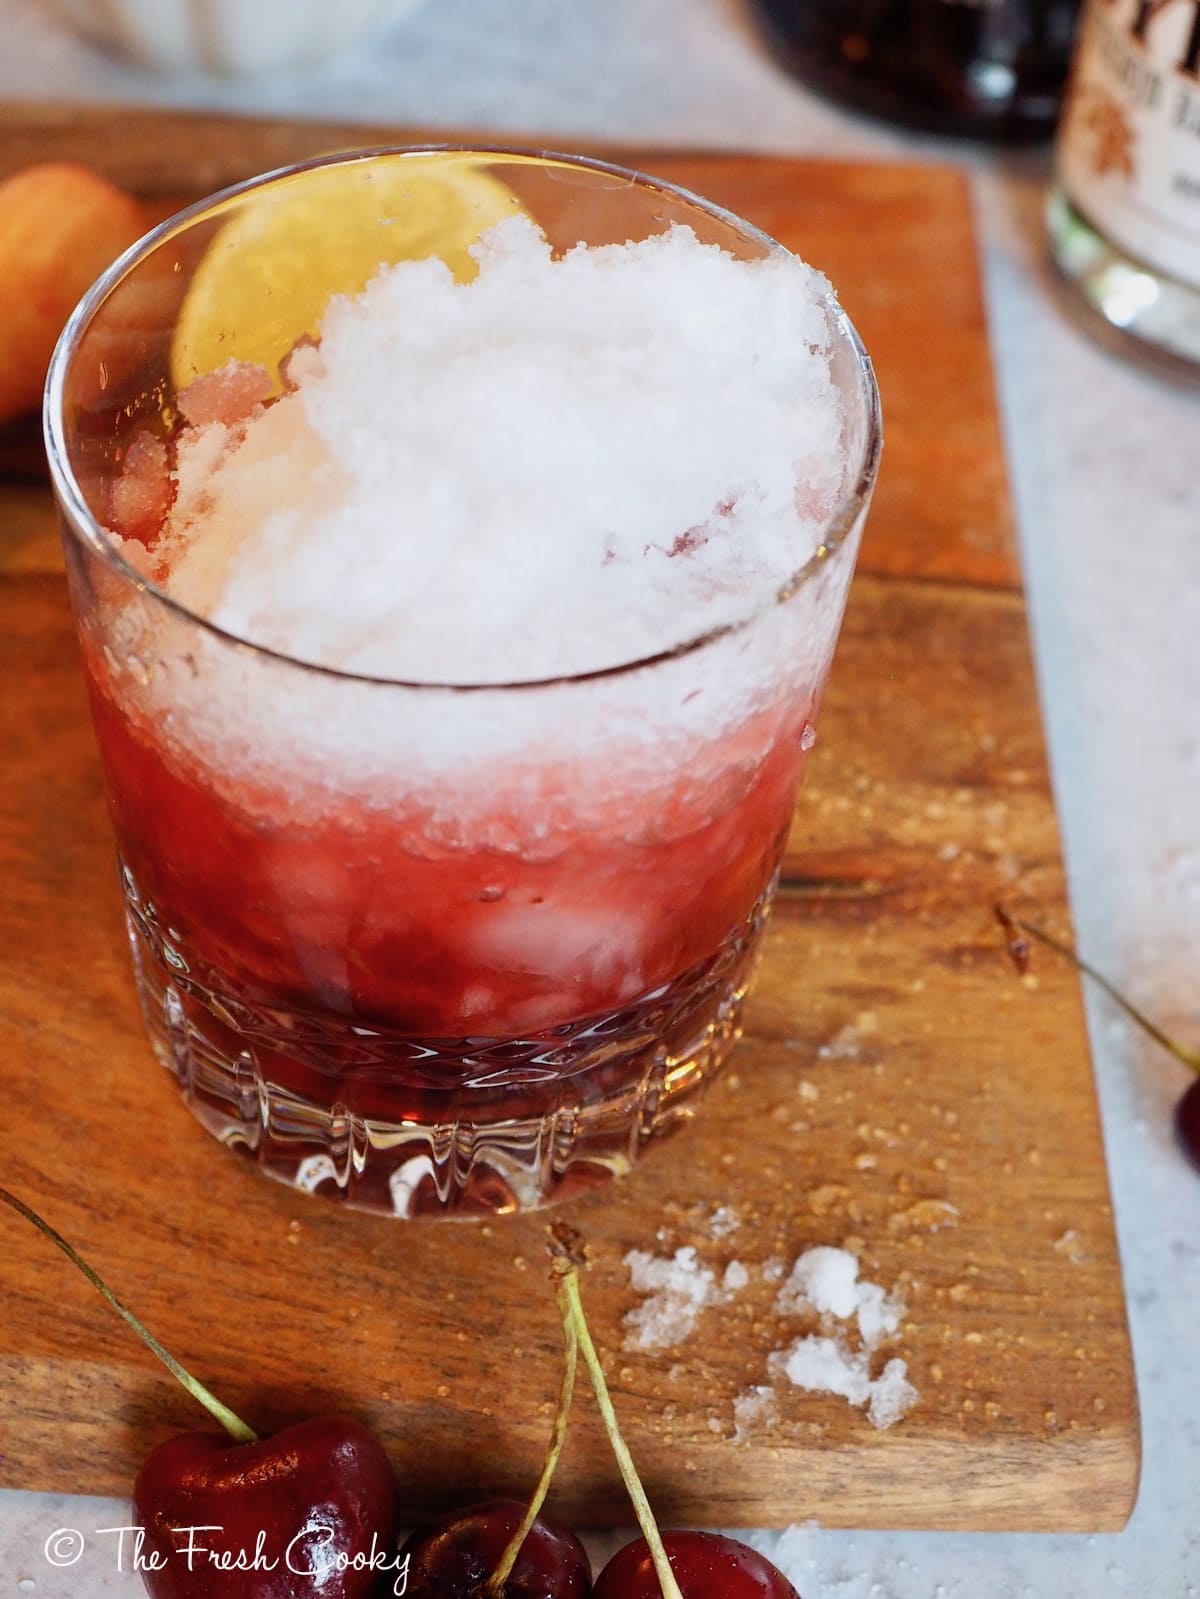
1129	142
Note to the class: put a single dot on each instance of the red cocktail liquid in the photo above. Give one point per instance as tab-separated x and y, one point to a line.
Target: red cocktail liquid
376	984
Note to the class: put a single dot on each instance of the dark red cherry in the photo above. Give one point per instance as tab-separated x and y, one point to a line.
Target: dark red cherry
707	1565
309	1511
453	1557
1187	1122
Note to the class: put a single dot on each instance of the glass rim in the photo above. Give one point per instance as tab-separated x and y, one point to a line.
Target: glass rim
85	527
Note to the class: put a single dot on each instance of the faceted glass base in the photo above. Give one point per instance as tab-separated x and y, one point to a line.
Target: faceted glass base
407	1126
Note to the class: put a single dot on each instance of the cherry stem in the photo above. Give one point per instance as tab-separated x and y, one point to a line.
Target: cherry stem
567	1252
494	1587
1189	1057
233	1425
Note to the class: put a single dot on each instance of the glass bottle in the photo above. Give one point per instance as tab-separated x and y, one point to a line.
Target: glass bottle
1124	215
989	69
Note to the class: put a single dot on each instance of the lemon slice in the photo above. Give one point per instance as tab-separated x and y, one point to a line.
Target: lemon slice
268	275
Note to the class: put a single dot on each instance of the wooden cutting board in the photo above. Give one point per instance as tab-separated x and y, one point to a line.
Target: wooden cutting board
899	1087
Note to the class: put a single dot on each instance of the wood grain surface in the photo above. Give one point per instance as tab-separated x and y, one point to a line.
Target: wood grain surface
899	1087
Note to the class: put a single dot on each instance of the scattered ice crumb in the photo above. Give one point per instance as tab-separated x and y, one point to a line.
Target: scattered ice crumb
736	1277
808	1090
826	1366
677	1290
845	1044
892	1395
723	1221
754	1410
879	1314
1071	1245
823	1280
854	1317
826	1281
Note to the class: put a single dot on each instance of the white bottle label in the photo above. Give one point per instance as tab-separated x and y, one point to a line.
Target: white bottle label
1129	143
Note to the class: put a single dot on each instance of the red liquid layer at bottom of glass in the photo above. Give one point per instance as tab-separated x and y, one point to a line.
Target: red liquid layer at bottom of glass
411	1126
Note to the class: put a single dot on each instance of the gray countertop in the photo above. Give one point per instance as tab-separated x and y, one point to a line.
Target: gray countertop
1102	464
